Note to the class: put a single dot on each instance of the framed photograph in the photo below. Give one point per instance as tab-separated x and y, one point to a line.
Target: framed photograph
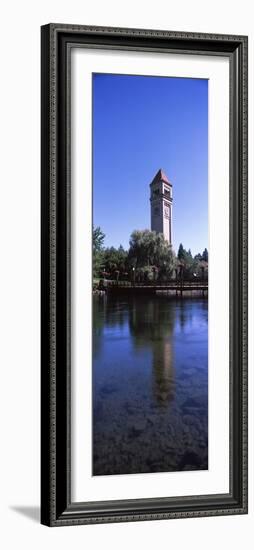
144	275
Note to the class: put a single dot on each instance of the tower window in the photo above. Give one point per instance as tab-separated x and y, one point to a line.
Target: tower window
166	211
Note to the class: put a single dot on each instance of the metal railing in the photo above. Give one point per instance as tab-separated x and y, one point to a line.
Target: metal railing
170	283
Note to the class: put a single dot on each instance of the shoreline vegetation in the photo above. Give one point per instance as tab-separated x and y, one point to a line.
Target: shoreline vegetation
150	265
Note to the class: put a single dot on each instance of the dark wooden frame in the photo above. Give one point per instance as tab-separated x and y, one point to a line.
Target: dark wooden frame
56	506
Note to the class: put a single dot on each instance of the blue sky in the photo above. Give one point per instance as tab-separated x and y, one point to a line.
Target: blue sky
141	124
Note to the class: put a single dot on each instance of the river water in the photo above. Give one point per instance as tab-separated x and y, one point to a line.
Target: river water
150	384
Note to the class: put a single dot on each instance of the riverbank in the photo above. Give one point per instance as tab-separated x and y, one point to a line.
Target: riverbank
176	291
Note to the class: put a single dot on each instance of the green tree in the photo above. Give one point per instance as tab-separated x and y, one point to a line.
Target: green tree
150	254
98	239
115	259
205	255
181	252
98	257
198	257
188	263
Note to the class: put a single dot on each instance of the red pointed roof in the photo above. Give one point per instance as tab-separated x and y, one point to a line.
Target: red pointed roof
160	176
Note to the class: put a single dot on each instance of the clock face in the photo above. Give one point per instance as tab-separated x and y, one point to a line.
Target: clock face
166	211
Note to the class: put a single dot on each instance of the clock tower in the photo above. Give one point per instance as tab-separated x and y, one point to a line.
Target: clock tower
161	205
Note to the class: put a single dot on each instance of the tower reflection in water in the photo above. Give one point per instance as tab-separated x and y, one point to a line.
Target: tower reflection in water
151	326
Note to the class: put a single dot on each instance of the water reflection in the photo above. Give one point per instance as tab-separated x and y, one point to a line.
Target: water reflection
149	385
151	327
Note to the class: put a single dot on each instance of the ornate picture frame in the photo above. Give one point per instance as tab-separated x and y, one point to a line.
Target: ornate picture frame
57	507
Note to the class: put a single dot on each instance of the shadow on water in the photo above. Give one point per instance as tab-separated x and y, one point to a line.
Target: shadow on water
149	385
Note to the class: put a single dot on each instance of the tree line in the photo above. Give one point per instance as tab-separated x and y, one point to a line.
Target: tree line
148	258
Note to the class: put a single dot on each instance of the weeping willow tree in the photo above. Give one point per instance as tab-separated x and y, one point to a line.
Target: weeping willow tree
150	254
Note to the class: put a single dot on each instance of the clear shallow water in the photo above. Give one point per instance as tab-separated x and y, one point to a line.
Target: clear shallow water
150	385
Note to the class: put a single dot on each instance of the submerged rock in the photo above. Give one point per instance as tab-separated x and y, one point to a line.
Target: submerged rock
139	427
